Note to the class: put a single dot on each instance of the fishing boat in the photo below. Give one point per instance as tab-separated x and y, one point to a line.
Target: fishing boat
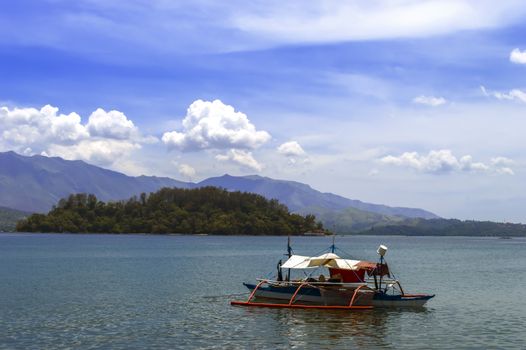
350	284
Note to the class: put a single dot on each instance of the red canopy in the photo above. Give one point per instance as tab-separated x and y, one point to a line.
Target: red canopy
358	274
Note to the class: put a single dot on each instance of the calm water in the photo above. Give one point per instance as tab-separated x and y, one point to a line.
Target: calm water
108	291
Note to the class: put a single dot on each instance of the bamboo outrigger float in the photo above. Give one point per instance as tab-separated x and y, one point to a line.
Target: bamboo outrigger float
346	289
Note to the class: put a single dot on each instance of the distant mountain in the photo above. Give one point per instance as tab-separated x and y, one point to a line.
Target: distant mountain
9	218
350	220
36	183
302	198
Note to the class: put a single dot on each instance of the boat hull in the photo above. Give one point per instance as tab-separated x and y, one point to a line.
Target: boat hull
407	300
320	295
337	296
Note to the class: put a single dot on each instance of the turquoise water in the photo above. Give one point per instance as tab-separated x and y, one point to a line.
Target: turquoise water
135	291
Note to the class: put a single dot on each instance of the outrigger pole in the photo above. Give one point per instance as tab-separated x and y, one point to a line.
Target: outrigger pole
291	304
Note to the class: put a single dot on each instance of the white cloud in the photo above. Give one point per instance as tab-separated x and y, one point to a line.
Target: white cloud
186	170
518	56
102	152
502	161
512	95
112	124
443	161
214	125
429	100
241	157
104	140
467	164
505	171
503	165
31	127
300	21
434	162
140	28
291	149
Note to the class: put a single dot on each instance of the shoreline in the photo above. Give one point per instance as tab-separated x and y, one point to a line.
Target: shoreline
219	235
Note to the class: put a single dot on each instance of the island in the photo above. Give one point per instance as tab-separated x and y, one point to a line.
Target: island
448	227
205	210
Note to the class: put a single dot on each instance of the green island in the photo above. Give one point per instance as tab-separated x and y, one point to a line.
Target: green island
212	210
448	227
206	210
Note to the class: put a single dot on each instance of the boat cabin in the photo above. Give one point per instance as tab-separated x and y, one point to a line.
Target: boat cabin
340	270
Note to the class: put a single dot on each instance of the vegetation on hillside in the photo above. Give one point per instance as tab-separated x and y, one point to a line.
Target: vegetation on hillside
351	220
9	218
207	210
449	227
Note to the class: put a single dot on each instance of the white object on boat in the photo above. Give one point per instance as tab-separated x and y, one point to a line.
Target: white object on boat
382	250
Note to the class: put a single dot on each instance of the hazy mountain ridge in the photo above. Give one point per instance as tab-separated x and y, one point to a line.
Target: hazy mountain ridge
35	184
350	220
298	196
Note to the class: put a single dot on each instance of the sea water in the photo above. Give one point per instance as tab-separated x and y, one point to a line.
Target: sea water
158	292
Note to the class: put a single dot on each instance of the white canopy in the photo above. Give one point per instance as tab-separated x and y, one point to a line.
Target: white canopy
297	262
327	260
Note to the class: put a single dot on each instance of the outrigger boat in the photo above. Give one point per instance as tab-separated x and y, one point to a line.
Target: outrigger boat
351	284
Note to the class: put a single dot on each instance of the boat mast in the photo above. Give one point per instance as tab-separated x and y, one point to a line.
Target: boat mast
333	247
381	251
381	269
289	254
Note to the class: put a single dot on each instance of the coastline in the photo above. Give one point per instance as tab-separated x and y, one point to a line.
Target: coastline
221	235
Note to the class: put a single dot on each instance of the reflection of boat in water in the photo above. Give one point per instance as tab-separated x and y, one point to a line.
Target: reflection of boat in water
351	284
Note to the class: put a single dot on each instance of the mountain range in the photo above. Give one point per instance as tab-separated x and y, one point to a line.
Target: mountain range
36	183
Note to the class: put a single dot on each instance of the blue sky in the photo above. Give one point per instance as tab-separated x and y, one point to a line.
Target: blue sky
407	103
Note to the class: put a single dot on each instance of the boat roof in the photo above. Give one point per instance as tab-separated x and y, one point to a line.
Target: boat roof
326	260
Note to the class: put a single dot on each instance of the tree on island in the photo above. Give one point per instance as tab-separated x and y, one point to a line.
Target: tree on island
206	210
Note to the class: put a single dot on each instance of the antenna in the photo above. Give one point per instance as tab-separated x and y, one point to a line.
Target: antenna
289	253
